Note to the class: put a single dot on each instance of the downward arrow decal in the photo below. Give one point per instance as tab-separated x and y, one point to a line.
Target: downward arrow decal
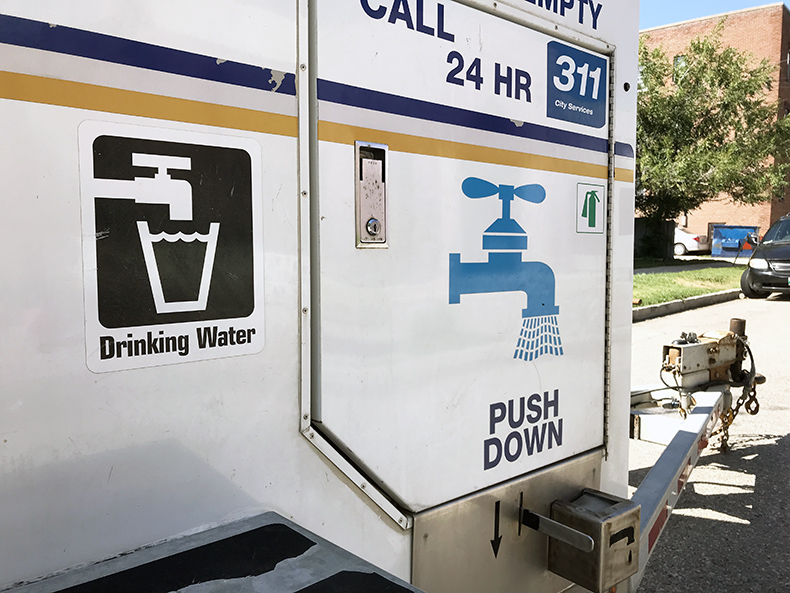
497	538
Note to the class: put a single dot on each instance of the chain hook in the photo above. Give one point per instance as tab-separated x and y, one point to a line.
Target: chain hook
752	405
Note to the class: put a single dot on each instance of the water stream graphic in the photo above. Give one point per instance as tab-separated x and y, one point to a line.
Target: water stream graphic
539	336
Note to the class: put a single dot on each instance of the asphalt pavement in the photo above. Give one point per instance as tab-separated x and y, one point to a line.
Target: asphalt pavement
731	528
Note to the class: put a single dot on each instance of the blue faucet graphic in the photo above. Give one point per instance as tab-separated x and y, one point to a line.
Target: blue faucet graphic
505	271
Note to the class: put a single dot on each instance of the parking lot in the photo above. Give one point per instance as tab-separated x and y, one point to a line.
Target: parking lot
729	531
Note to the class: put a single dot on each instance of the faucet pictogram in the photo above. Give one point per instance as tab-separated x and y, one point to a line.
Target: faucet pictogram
505	271
159	189
176	194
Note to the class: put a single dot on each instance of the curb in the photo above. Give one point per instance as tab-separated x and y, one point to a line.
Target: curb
703	300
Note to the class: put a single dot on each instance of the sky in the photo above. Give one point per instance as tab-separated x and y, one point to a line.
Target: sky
654	13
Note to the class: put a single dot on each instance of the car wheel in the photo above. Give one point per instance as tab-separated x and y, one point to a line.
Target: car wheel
680	249
748	290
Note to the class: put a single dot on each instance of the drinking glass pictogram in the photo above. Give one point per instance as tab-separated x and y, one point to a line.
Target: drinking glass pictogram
154	265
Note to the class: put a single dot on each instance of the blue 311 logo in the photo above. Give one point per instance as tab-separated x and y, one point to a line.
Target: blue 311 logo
577	86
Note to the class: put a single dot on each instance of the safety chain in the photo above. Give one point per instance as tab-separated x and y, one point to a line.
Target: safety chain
749	401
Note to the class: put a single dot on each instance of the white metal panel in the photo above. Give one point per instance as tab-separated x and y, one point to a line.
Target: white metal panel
411	379
248	32
620	24
94	465
447	53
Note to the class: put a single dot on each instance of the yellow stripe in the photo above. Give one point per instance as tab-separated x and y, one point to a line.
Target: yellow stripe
36	89
65	93
626	175
334	132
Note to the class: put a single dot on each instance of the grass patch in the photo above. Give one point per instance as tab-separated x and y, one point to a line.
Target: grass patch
662	288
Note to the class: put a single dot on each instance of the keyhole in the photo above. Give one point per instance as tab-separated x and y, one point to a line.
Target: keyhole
373	227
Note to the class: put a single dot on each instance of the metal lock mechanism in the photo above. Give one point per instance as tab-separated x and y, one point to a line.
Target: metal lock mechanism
373	227
371	194
613	525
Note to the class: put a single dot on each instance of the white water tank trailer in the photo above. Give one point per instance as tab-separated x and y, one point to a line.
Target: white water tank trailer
327	295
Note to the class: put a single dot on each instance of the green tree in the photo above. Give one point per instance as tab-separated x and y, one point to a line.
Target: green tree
705	127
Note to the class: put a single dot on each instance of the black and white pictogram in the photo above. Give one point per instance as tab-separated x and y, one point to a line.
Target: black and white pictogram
174	240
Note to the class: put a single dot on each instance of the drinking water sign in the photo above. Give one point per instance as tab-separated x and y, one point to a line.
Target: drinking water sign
171	246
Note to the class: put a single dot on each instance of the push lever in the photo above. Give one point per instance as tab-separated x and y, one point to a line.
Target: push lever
546	526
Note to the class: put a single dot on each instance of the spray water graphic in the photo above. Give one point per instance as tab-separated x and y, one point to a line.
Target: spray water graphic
539	336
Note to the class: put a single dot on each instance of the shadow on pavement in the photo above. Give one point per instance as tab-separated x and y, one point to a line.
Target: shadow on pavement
729	531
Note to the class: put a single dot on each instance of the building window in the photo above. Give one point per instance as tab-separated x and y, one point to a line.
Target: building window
787	66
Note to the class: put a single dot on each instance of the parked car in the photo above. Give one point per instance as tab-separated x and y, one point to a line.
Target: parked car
769	267
686	242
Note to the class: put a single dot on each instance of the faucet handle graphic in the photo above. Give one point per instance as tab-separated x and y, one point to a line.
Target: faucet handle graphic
161	162
474	187
531	193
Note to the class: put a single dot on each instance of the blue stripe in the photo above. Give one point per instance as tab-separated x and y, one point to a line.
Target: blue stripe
352	96
623	149
96	46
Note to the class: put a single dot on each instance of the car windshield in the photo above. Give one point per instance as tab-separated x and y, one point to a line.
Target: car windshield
779	233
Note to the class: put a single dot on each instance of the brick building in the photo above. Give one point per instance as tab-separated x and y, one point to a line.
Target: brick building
765	33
